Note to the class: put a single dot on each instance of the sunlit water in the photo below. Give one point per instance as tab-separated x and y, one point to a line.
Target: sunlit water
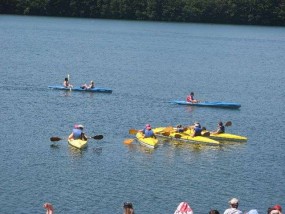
147	64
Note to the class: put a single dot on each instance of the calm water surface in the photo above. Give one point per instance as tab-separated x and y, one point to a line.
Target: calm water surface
147	64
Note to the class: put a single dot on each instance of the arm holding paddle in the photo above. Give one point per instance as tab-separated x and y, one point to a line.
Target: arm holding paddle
66	83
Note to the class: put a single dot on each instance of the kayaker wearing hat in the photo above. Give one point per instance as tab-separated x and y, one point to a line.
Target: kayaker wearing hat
147	131
197	130
77	133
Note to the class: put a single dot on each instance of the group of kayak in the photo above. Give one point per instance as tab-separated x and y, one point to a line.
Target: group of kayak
194	134
148	137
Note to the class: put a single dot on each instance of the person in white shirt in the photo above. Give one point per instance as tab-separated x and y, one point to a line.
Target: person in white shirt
233	207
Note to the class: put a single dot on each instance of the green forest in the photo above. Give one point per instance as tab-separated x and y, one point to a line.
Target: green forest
248	12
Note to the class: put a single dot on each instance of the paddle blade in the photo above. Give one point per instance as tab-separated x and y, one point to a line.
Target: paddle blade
98	137
185	129
166	133
229	123
177	136
128	141
168	129
133	131
204	128
206	134
55	139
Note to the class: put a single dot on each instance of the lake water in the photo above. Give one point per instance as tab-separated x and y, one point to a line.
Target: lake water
147	64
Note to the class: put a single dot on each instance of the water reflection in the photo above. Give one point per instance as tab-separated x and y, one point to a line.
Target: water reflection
65	93
189	109
135	146
76	153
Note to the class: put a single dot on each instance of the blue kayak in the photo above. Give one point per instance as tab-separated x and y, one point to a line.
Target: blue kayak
209	104
77	88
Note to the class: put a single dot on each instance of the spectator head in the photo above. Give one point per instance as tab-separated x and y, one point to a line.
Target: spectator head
214	212
234	202
277	207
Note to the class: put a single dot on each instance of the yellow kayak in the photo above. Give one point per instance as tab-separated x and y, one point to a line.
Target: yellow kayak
184	137
79	144
228	137
222	136
149	142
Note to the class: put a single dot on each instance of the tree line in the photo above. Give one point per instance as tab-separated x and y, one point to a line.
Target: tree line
250	12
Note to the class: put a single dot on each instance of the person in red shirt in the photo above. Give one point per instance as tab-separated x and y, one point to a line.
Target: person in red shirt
190	98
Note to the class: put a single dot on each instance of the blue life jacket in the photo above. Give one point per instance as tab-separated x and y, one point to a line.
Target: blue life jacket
148	133
198	131
76	134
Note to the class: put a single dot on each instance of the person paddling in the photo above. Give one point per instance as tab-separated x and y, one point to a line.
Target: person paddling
77	133
220	129
147	131
190	98
66	83
197	130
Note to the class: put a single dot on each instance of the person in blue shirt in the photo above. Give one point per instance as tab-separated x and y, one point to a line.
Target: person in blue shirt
179	128
77	133
197	130
147	131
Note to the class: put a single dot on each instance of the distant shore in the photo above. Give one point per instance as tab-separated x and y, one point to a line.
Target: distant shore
249	12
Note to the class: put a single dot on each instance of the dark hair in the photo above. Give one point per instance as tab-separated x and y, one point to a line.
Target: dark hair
192	93
220	123
128	205
66	79
214	212
269	210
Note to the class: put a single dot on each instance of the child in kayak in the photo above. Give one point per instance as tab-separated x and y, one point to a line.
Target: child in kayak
90	86
66	83
190	98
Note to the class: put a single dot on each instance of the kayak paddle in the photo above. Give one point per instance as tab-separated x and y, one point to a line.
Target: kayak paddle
133	131
228	123
166	134
96	137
